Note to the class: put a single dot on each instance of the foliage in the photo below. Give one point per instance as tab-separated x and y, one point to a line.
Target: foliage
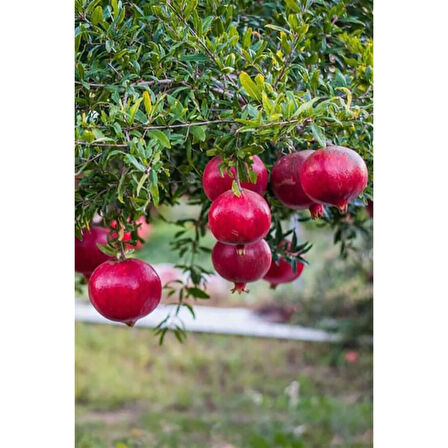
163	85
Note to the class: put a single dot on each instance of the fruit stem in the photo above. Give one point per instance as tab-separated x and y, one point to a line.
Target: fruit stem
122	255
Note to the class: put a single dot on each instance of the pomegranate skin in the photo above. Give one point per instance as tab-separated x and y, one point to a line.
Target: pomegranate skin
241	268
87	254
286	186
239	220
125	291
281	272
334	176
214	184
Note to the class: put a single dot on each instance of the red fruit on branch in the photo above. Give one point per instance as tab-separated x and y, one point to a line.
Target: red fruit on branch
125	291
242	268
239	220
282	272
214	184
334	176
143	231
87	254
286	186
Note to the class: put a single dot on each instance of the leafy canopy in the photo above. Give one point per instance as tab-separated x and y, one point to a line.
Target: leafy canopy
163	85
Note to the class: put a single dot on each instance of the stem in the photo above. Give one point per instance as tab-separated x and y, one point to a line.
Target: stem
285	66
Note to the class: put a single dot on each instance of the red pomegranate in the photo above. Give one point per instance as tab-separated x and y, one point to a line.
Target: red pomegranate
143	230
87	254
214	184
125	291
242	268
239	220
334	176
281	272
285	184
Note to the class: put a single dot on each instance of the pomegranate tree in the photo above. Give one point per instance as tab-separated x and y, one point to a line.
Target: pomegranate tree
239	219
125	291
286	185
152	124
214	183
334	175
242	268
87	253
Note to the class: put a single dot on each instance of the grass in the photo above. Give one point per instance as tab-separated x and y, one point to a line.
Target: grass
217	391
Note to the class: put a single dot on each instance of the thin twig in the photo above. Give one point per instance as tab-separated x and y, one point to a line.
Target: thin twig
139	83
111	145
184	125
285	66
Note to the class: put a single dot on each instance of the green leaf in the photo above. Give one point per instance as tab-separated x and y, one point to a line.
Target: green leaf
161	137
148	104
97	16
250	87
141	182
198	132
114	4
197	293
154	188
133	110
349	95
319	135
277	28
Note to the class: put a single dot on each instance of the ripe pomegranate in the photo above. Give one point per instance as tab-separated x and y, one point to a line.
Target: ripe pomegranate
214	184
239	220
143	231
285	184
125	291
334	176
242	268
281	272
87	254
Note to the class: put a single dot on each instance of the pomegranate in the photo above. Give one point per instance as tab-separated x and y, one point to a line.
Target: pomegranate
143	231
285	184
281	272
125	291
214	184
239	220
87	254
334	176
242	268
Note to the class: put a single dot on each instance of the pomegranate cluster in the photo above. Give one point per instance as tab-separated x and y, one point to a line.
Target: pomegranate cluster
239	222
331	176
128	289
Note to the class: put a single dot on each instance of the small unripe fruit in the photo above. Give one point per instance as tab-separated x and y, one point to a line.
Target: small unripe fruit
125	291
214	184
334	176
239	220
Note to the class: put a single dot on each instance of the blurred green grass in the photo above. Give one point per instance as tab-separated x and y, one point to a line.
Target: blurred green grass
216	390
